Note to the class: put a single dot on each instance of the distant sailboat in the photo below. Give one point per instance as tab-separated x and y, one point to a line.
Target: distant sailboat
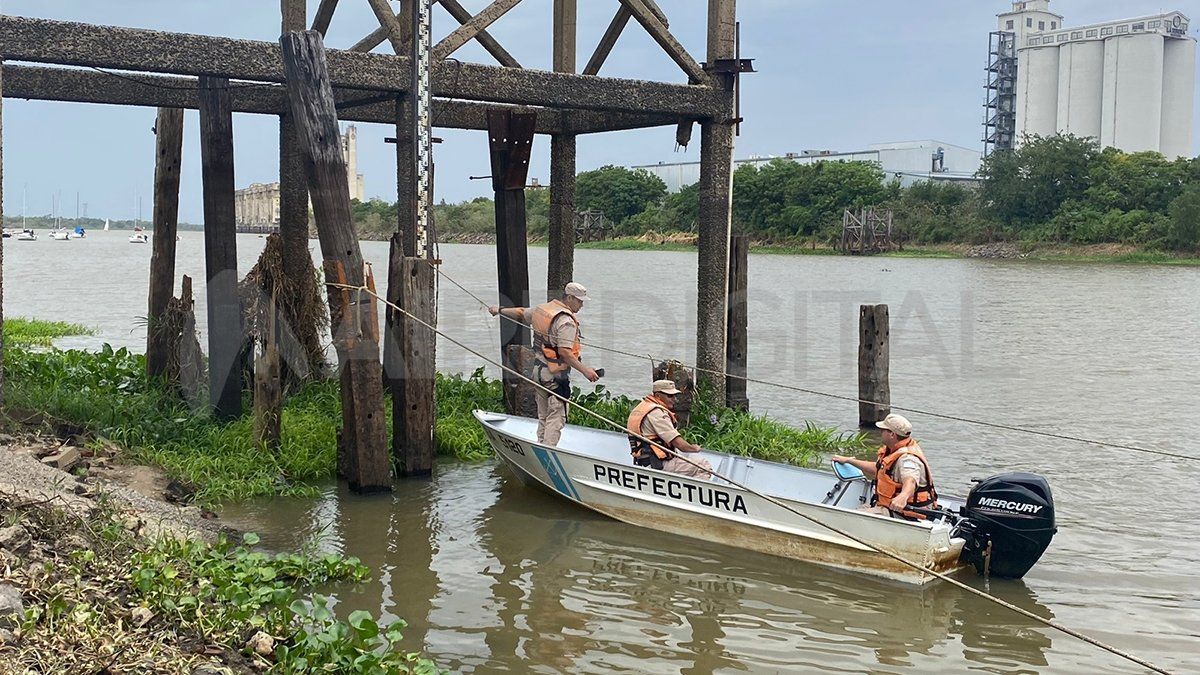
106	224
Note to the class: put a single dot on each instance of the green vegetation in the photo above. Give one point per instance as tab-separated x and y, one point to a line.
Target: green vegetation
105	596
713	426
107	394
1060	191
21	332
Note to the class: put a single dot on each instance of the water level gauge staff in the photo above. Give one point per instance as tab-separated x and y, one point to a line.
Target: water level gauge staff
556	341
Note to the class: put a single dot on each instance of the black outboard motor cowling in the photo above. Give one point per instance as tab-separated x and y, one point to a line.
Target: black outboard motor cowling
1014	512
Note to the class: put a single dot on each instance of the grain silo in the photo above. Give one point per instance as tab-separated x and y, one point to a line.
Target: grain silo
1128	83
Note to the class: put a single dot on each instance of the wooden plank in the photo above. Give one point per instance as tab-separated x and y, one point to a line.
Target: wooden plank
566	13
738	317
220	249
464	33
324	16
79	44
353	316
874	354
608	41
168	129
418	345
485	39
560	265
393	30
663	37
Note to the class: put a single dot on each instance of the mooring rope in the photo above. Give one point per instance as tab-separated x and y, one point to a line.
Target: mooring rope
816	521
854	399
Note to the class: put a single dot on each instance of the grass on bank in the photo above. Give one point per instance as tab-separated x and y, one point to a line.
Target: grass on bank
23	332
98	595
107	394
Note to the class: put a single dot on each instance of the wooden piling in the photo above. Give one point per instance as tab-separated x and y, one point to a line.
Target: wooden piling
510	138
220	249
353	314
736	324
684	381
413	414
168	130
873	359
268	386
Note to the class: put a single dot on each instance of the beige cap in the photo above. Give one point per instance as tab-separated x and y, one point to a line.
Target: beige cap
665	387
576	290
895	423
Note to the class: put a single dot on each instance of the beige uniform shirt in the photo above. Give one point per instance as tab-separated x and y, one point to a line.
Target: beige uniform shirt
910	467
658	423
563	332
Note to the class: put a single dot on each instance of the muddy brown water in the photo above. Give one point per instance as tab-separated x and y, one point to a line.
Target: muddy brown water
492	576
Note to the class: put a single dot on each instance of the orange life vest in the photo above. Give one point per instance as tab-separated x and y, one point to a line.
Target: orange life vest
541	323
886	488
639	448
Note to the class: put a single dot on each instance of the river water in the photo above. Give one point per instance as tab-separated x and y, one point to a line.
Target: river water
492	576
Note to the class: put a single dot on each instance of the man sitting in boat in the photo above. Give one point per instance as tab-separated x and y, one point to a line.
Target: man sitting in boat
901	472
654	419
556	340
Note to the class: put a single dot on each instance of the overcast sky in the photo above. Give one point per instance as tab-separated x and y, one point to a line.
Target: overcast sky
831	75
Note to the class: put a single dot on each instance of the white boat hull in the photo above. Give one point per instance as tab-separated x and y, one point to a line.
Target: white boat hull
601	477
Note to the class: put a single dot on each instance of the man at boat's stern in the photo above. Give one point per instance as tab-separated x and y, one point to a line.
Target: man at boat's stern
556	340
900	472
654	419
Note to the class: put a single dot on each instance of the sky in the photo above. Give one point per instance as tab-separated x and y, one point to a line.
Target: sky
831	75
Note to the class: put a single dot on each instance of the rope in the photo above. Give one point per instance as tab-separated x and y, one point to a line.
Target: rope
894	556
854	399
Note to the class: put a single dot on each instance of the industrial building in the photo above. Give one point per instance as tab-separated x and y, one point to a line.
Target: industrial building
908	162
1128	83
257	206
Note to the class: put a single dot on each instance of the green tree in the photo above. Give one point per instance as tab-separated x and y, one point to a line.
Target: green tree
1026	186
618	192
1183	231
786	198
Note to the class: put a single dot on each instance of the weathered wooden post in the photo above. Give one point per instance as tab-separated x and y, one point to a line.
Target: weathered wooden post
168	130
684	382
560	267
293	189
716	192
220	249
873	356
268	385
353	314
510	138
736	346
415	424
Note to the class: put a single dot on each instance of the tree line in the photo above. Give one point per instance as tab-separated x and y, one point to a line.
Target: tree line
1060	189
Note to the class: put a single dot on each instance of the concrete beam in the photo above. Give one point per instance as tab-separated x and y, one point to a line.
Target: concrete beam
89	86
79	44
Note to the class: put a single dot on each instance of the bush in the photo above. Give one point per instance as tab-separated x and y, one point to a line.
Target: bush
1183	229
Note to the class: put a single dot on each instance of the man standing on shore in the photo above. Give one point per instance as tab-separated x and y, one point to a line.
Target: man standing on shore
556	341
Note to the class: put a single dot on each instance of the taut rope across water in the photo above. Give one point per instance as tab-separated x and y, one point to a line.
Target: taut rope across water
816	521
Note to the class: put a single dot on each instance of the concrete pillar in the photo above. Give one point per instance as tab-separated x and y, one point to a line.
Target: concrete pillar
716	192
561	254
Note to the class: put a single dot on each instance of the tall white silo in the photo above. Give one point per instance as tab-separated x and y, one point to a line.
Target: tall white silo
1080	87
1037	91
1179	78
1133	92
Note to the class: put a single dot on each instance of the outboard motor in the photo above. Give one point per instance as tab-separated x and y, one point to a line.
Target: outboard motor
1008	518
